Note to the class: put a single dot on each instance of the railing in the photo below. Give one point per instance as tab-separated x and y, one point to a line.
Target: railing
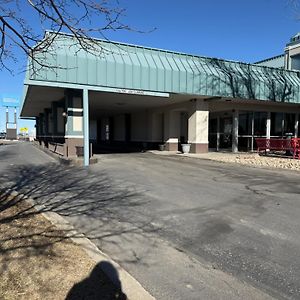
292	144
57	148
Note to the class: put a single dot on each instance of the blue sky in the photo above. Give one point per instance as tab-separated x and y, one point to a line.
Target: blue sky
233	29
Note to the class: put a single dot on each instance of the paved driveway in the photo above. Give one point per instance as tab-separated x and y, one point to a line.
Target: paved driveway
185	228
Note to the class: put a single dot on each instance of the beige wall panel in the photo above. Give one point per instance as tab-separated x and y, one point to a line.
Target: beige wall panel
198	123
77	123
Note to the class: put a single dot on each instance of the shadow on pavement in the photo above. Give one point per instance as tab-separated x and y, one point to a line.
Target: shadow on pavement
72	192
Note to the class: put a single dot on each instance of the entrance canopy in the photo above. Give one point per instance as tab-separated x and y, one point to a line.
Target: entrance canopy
123	68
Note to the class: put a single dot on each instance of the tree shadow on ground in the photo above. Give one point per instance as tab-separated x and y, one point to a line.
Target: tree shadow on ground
72	192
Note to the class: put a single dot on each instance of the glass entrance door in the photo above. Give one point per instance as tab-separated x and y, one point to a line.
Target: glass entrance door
225	132
220	131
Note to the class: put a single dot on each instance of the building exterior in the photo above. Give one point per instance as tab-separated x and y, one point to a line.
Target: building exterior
130	96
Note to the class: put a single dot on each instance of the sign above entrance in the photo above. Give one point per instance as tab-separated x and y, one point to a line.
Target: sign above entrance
136	92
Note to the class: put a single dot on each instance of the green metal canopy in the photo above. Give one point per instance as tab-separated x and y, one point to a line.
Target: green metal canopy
124	66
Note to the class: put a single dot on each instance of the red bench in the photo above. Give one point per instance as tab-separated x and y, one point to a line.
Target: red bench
274	144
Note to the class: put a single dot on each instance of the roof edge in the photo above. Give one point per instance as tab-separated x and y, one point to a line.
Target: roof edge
169	51
269	59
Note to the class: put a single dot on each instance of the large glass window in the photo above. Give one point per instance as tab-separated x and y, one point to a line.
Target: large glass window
213	124
260	121
226	132
213	128
289	124
226	125
276	124
245	123
298	135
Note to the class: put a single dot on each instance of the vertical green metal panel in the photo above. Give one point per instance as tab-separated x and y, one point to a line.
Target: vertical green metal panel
81	67
152	69
92	65
173	73
101	69
110	67
160	71
181	74
136	69
144	71
128	72
119	68
72	65
190	75
61	60
196	74
167	72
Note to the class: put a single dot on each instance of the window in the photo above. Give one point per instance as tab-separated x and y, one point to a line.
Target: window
289	123
245	123
260	121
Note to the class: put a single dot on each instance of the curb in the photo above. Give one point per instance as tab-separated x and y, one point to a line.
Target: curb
130	286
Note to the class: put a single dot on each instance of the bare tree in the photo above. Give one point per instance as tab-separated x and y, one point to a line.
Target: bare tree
81	18
237	77
243	81
280	88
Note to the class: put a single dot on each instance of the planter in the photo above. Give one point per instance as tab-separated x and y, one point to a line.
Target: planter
79	151
186	148
161	147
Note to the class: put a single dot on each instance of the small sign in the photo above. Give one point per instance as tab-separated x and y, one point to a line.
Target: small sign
9	101
24	129
11	126
132	92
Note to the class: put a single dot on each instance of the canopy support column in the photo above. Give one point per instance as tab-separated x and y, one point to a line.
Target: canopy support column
86	139
235	132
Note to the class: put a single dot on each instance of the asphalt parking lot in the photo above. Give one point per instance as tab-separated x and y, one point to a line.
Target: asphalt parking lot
183	227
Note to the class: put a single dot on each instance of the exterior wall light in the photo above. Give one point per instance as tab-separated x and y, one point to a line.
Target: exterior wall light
64	114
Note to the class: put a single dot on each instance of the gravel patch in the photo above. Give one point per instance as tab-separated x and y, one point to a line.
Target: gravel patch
252	159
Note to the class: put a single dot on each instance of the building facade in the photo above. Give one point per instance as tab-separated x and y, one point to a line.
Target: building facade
126	96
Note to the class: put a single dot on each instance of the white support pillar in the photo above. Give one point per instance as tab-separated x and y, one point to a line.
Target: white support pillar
7	116
15	115
86	139
296	125
198	126
218	133
252	131
235	131
268	125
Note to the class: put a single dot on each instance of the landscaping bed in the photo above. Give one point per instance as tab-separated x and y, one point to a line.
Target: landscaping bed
38	261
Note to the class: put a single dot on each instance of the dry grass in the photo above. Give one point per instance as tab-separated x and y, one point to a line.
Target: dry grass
38	262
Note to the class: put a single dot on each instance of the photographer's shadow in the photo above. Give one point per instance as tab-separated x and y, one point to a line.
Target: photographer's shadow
98	285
